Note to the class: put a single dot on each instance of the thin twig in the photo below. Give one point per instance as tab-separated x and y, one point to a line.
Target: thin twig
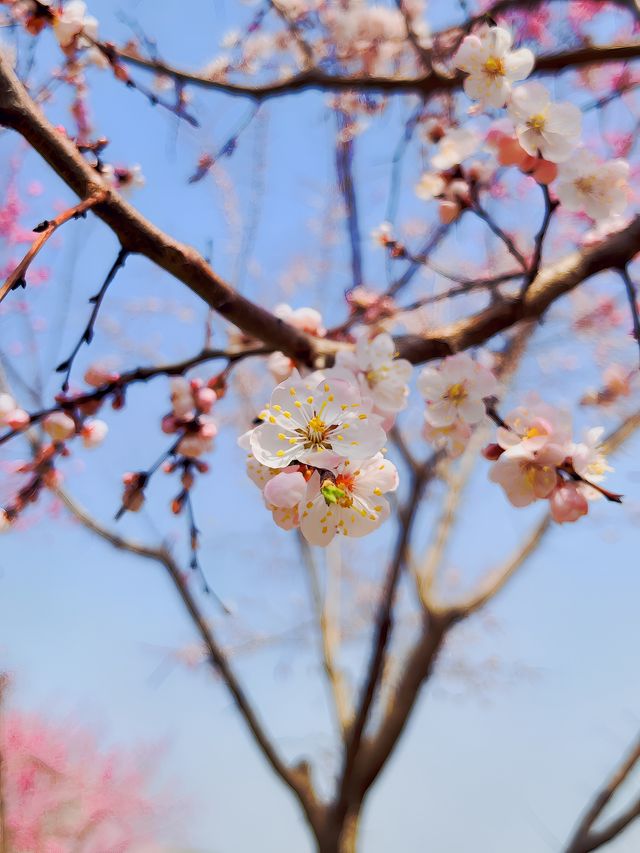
45	230
632	298
87	336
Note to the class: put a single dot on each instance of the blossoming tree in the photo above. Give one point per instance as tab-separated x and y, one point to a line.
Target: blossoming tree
389	389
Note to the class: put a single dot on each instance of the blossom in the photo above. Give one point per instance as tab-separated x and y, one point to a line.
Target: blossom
551	130
524	475
5	522
454	147
73	21
383	234
430	185
589	460
452	438
598	189
567	502
93	432
383	376
540	427
7	405
327	416
308	320
456	390
282	495
491	65
59	426
352	504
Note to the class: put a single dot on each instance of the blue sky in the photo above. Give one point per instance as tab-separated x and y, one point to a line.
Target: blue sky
496	767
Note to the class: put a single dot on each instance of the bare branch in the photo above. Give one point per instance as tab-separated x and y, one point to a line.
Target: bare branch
584	837
425	85
327	630
138	235
296	779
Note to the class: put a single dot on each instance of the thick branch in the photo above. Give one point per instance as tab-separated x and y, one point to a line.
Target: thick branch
425	85
135	233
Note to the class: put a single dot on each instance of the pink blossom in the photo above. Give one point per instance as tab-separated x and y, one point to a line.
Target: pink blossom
525	476
286	489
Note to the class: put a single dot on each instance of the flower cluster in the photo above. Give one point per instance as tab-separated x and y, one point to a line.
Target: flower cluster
318	456
542	138
536	458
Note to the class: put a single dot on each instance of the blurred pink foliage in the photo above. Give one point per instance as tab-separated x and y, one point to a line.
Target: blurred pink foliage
61	794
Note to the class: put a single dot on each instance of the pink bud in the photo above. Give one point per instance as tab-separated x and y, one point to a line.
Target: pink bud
285	490
59	426
448	211
169	424
93	433
97	376
205	398
7	405
17	419
567	503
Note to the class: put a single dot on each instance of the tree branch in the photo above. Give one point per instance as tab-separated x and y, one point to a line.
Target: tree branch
585	838
327	630
296	779
425	85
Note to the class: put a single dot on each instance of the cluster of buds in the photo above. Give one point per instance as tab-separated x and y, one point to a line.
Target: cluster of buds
192	401
509	152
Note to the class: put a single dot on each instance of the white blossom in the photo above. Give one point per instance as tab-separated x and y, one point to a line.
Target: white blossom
491	65
551	130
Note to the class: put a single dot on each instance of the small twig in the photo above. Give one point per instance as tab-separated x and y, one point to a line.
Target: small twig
632	297
550	206
87	336
45	230
502	235
344	167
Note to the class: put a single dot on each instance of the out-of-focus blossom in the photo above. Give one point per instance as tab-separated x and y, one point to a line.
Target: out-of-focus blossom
93	432
454	147
383	377
586	184
456	390
544	128
486	57
59	426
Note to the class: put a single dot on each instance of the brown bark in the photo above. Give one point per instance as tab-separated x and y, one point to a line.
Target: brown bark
340	833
